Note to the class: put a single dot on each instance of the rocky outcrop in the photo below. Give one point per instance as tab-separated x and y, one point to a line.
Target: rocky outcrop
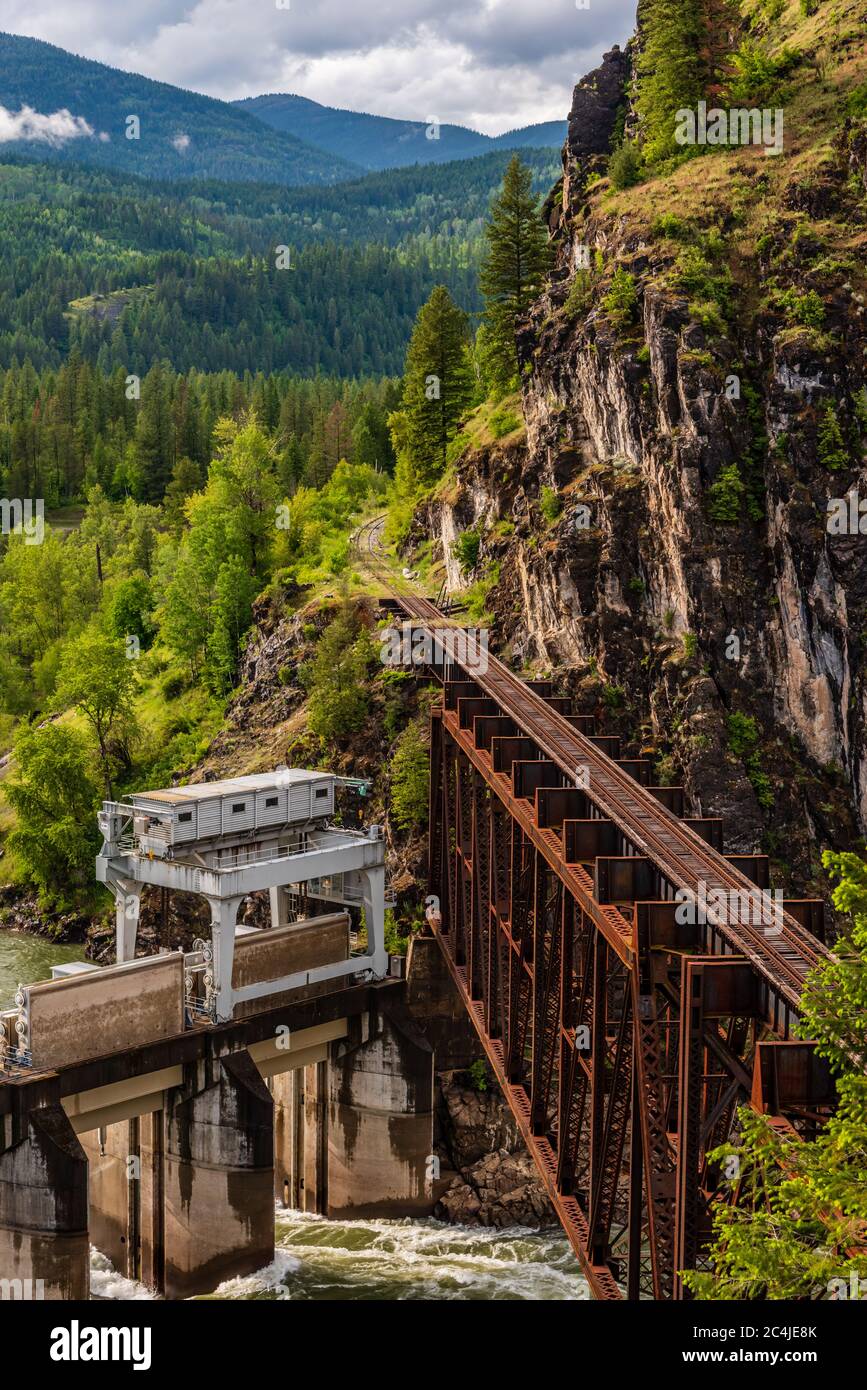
496	1183
653	594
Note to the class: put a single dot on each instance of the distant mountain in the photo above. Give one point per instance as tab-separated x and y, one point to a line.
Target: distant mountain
181	134
380	142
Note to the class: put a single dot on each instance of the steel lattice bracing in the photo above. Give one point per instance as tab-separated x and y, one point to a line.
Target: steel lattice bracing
623	1038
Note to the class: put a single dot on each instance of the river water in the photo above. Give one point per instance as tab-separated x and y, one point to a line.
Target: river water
25	959
317	1259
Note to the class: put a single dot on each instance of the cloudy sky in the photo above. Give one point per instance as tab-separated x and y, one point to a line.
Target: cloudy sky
490	64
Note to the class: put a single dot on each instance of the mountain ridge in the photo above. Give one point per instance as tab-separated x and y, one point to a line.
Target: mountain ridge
181	133
388	142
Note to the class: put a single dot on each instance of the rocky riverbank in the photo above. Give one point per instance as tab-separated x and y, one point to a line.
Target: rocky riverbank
495	1182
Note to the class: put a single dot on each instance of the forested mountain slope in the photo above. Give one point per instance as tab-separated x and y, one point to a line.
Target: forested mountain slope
179	134
129	271
380	142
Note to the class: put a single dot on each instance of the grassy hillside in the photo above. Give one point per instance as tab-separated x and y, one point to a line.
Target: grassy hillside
182	134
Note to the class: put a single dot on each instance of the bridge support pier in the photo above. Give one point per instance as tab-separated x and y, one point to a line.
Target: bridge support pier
380	1119
44	1247
219	1179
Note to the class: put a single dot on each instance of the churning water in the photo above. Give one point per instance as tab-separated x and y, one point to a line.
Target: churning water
355	1260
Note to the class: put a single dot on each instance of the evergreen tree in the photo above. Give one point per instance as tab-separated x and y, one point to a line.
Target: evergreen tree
514	267
339	699
438	383
669	70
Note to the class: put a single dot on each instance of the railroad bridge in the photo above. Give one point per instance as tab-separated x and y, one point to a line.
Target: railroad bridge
629	982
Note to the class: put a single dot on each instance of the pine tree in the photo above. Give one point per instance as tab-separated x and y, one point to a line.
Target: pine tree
438	385
514	268
669	70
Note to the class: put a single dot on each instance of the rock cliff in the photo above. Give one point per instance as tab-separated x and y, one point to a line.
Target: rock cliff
692	391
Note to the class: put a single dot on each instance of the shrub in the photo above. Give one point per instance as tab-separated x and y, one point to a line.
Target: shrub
757	74
805	309
670	225
409	778
479	1075
725	496
743	734
550	504
580	295
830	446
621	301
625	167
503	422
466	550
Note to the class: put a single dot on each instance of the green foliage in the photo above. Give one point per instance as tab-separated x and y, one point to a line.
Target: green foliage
479	1075
466	550
725	495
669	71
626	167
621	301
831	448
743	734
550	504
580	296
699	273
502	422
798	1228
856	102
437	387
807	309
132	609
409	776
337	681
396	941
98	679
55	798
514	267
757	74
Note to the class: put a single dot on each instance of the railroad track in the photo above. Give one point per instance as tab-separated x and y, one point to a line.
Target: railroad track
783	954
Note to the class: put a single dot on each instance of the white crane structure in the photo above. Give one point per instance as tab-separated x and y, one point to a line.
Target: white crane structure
225	840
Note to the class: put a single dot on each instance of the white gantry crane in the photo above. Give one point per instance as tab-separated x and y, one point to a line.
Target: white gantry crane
224	840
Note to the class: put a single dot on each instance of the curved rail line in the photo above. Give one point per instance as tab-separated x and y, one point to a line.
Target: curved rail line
782	954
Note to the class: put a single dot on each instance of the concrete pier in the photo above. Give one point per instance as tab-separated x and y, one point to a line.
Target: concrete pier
219	1179
380	1119
44	1250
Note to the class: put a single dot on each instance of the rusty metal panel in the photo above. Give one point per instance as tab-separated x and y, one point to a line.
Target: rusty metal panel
623	879
489	726
710	828
585	840
505	751
526	777
672	798
556	804
754	866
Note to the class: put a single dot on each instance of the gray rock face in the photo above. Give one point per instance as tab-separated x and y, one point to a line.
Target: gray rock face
497	1184
631	596
595	102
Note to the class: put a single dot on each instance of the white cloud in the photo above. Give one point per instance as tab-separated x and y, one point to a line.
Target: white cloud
492	64
181	143
28	124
